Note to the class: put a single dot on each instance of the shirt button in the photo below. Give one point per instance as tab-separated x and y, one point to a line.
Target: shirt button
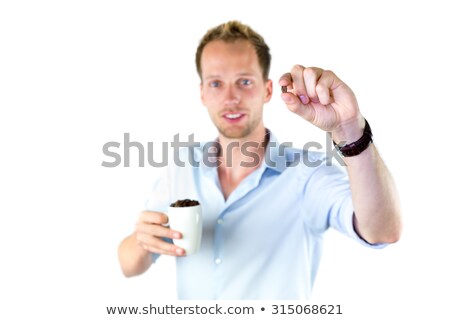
218	261
220	221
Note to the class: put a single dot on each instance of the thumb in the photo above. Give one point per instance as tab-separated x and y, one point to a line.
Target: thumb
295	105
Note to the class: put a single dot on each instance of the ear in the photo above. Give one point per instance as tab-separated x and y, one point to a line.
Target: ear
269	90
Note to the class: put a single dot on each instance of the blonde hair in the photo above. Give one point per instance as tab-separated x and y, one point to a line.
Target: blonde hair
232	31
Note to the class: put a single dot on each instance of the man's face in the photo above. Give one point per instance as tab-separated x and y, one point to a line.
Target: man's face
233	88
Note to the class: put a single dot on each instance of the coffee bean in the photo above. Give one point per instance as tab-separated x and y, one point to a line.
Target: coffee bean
185	203
284	89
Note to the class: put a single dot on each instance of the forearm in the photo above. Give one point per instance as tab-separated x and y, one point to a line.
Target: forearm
134	260
375	198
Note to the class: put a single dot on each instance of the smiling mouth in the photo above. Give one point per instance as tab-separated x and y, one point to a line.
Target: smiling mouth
233	116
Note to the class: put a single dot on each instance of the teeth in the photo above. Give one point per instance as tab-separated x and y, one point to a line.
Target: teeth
233	115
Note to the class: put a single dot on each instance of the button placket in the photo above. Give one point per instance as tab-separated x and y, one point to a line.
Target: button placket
219	240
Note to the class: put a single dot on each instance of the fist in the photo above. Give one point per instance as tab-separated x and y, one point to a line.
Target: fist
323	99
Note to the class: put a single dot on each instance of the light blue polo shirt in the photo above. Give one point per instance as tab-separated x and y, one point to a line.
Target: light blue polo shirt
265	240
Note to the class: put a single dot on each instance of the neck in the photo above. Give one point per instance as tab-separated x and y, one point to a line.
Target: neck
240	157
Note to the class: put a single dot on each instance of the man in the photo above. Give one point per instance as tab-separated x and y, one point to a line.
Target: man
265	210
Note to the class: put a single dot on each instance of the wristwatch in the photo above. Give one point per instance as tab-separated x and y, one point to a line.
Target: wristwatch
355	148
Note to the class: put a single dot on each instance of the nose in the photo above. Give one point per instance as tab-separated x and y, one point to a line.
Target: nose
232	97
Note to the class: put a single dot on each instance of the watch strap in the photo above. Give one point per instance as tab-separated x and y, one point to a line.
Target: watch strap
355	148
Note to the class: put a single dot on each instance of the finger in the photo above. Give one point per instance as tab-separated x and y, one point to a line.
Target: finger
153	217
286	81
157	231
175	252
323	87
297	74
312	76
294	104
157	245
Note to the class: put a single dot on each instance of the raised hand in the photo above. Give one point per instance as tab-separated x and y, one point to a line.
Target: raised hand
323	99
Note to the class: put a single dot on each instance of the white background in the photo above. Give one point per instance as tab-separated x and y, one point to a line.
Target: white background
77	74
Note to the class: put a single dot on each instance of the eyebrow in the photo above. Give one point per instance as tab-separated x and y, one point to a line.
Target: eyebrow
244	74
211	77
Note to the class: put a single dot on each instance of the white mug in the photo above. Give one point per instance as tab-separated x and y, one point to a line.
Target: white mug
188	221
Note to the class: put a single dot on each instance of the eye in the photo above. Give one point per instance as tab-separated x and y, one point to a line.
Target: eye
214	84
246	82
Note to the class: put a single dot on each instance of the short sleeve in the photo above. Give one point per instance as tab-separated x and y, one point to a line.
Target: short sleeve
328	200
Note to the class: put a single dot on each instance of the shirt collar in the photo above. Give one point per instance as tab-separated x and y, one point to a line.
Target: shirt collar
275	157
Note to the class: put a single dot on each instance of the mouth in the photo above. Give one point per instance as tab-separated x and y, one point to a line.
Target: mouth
233	117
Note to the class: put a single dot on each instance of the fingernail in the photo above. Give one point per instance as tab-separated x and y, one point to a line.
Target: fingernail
304	99
177	235
179	251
